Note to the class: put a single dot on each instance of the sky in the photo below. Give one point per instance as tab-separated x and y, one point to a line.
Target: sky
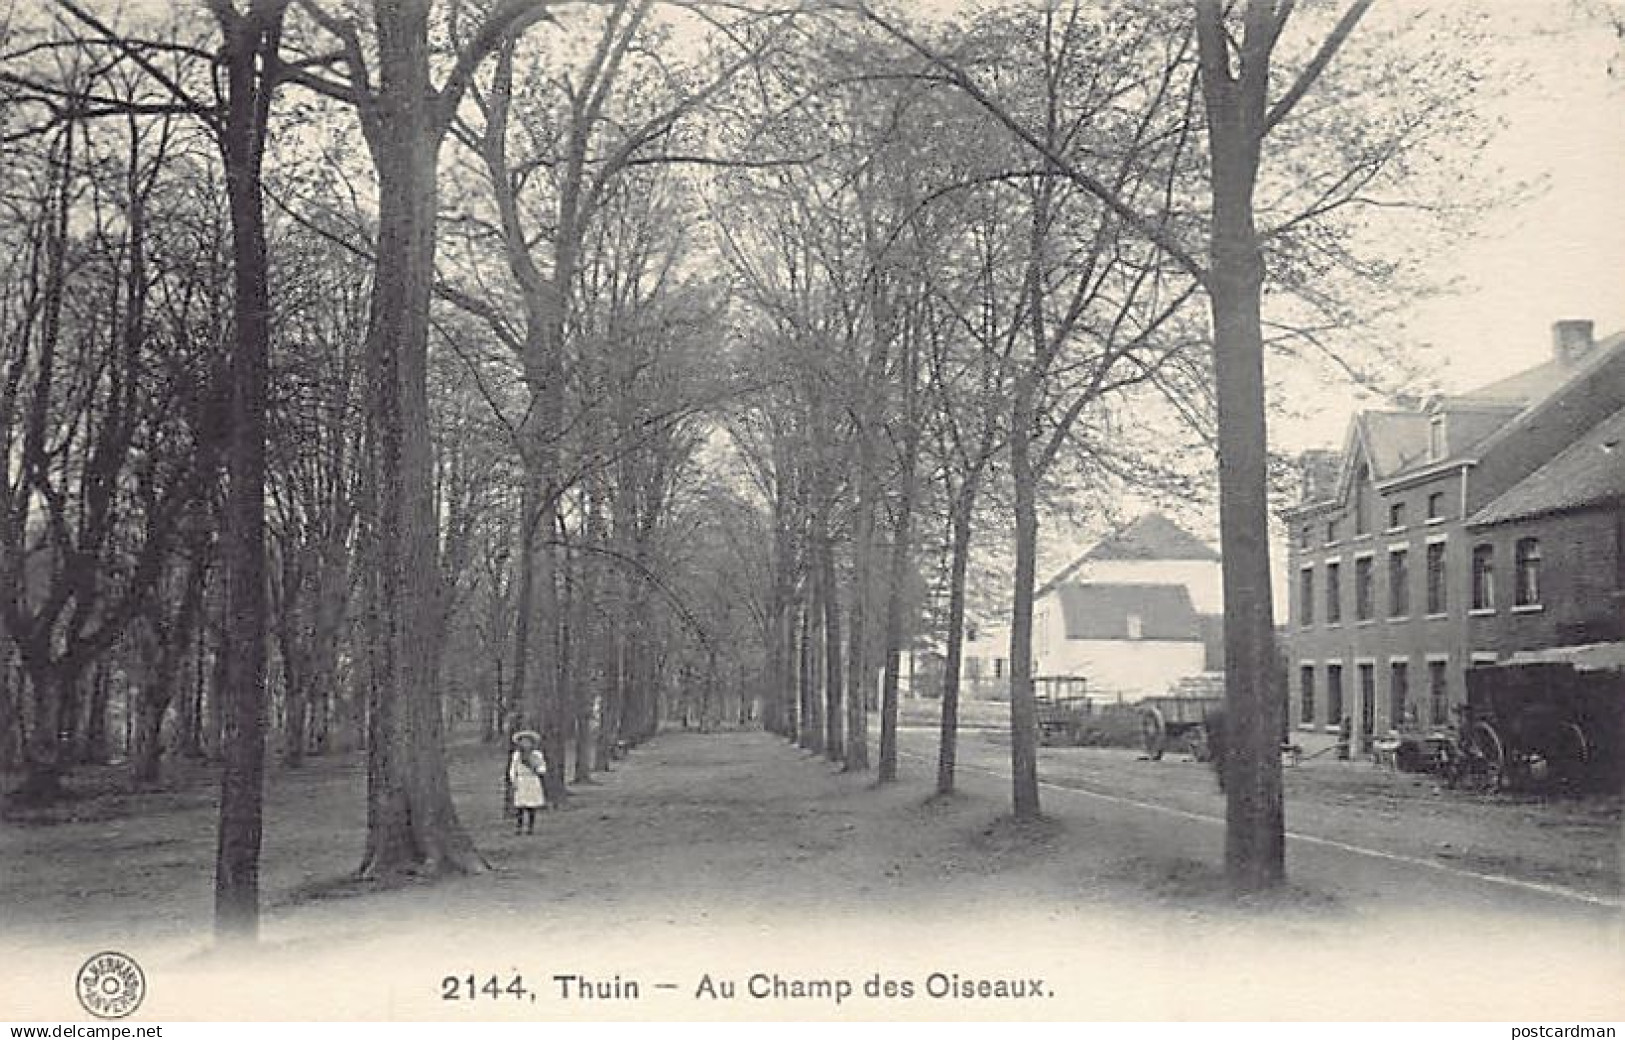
1559	255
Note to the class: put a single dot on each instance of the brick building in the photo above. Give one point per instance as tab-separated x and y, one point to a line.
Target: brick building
1395	549
1552	551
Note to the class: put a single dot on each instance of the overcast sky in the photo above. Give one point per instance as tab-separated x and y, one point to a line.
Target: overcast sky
1560	255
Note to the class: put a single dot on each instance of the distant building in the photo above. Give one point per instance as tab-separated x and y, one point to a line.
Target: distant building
1152	550
1115	642
1131	617
1406	554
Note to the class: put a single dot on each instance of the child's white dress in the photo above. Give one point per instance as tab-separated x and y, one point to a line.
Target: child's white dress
526	779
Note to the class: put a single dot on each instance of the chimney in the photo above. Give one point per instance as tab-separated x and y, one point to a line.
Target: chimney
1319	469
1571	339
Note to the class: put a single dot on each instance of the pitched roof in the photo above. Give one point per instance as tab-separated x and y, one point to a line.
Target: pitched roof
1396	442
1534	383
1393	440
1102	611
1587	472
1578	373
1151	537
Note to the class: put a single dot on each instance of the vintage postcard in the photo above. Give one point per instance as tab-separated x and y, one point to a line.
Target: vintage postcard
530	511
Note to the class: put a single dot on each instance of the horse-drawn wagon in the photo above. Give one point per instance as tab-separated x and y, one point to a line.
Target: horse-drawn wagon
1178	721
1548	718
1062	719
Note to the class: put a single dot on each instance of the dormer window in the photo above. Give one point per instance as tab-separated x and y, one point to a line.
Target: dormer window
1362	500
1436	438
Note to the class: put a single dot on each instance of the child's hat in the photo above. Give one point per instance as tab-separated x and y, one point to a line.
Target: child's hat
527	733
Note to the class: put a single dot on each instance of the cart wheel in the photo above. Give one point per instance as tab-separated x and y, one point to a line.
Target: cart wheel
1571	753
1490	752
1197	744
1154	732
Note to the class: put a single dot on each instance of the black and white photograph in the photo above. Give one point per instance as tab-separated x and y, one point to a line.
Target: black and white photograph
595	511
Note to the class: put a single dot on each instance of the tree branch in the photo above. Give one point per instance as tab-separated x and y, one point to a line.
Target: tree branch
1317	65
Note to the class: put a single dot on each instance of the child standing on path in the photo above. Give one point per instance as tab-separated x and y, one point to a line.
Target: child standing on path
526	767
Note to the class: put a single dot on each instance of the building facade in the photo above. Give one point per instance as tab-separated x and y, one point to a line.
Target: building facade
1394	582
1135	614
1552	553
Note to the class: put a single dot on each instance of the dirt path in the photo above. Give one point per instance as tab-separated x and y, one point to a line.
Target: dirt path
1569	847
734	858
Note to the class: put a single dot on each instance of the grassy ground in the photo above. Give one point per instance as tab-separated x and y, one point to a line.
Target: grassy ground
734	856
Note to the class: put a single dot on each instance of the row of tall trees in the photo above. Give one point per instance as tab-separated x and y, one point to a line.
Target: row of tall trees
958	325
650	358
267	454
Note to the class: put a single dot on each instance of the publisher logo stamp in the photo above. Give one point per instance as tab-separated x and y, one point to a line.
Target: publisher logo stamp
111	985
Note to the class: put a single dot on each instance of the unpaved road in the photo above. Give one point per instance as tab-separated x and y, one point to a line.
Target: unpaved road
734	856
1373	837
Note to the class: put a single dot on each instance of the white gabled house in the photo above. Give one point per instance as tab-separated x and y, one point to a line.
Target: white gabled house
1135	615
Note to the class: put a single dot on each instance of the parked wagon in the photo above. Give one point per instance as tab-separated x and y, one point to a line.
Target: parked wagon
1183	722
1062	720
1554	718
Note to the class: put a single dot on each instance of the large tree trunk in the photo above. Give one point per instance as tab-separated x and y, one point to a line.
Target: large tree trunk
953	657
192	711
321	670
49	690
789	690
292	637
147	746
902	544
834	738
1254	819
859	641
166	654
1023	721
10	711
94	744
550	701
250	42
811	735
524	604
412	824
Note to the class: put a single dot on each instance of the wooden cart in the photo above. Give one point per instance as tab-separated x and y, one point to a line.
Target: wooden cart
1177	722
1062	720
1542	723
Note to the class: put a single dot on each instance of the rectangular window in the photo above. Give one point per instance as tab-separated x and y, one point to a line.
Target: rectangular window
1436	585
1438	693
1399	583
998	668
1362	500
1483	577
1368	700
1396	516
1331	532
1527	558
1306	597
1304	535
1436	505
1364	591
1334	592
1399	692
1334	693
1306	694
